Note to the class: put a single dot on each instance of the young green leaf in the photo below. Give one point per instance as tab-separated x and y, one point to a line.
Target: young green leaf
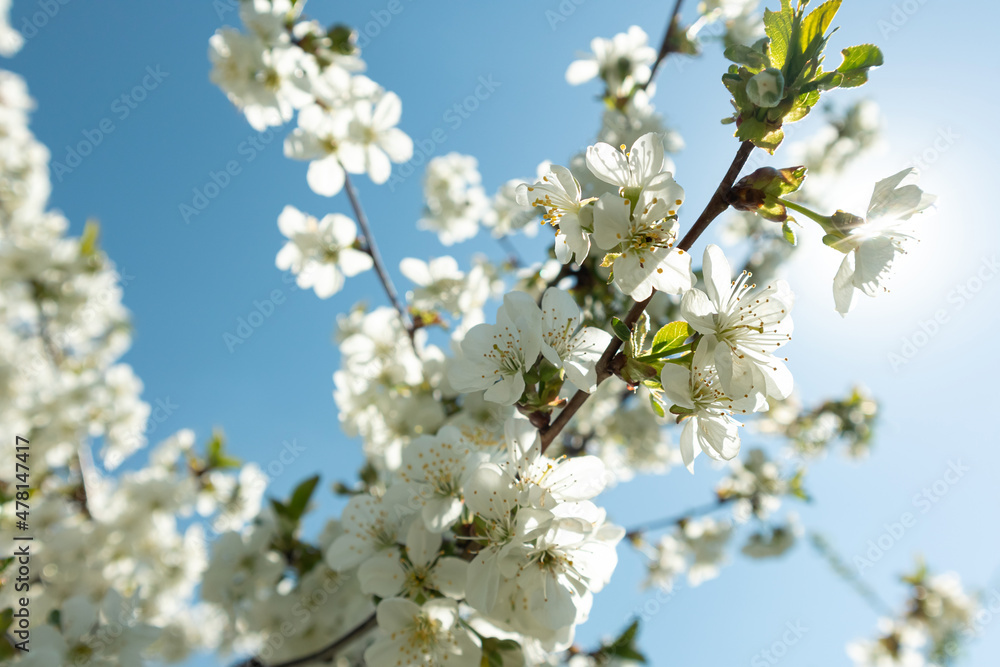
300	497
621	331
857	61
671	336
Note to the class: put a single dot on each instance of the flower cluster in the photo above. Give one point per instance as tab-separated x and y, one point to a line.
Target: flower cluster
119	557
939	617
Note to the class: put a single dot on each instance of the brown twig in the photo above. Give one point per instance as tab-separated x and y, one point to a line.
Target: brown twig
372	249
667	522
716	205
667	46
325	654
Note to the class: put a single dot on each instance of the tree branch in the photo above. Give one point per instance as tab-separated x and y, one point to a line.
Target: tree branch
667	522
716	205
667	46
325	654
372	249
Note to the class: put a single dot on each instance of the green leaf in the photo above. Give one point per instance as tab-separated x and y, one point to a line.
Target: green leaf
778	27
639	331
671	336
788	233
624	646
753	58
88	241
814	26
621	331
857	61
280	508
657	406
300	497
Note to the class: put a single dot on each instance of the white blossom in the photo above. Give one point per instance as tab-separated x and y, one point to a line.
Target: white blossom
320	252
872	247
743	328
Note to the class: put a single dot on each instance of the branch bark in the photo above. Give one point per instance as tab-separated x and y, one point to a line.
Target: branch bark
666	47
372	249
325	654
716	205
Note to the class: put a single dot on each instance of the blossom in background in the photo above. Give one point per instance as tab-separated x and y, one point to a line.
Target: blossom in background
441	284
641	241
320	252
898	646
873	245
268	18
622	62
558	192
267	84
510	213
322	138
454	197
743	328
11	40
373	128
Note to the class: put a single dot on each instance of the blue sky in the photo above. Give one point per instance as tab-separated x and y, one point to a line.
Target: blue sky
189	281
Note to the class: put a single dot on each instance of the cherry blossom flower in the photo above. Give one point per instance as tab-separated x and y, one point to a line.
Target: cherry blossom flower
641	240
387	574
623	62
634	169
437	467
872	247
708	423
496	356
743	328
320	252
373	128
323	139
567	345
432	634
558	192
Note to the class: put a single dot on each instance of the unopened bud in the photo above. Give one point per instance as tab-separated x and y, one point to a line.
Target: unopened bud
766	89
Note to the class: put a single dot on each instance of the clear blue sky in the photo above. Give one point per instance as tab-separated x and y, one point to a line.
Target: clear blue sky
189	282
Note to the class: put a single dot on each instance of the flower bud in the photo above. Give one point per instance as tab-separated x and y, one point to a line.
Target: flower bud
767	88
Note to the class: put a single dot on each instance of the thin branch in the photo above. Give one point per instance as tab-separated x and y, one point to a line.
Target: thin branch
55	355
716	205
667	46
513	256
83	455
848	574
667	522
325	654
372	249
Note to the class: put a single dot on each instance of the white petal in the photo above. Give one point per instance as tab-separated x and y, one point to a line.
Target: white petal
396	614
581	71
609	164
326	176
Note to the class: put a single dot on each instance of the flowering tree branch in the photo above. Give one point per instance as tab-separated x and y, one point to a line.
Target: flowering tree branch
325	654
716	205
372	249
